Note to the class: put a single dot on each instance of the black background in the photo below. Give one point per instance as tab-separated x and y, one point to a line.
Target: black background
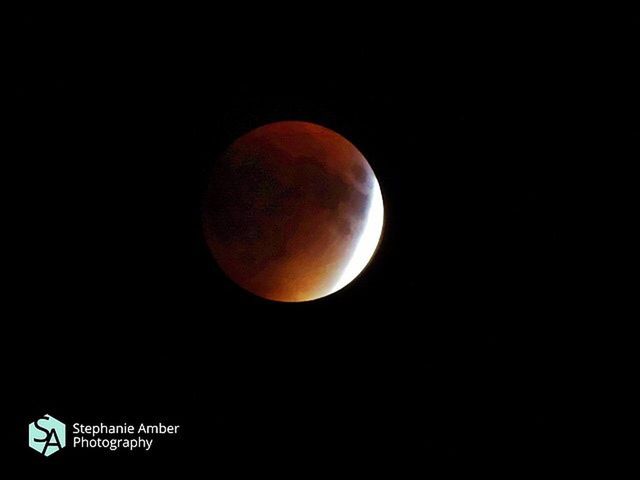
453	352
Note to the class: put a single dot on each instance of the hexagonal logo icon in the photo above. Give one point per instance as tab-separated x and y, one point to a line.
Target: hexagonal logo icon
47	435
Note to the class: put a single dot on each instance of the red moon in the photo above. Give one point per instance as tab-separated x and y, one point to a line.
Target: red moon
293	211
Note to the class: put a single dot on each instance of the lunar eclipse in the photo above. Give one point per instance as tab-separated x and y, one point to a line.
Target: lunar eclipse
293	211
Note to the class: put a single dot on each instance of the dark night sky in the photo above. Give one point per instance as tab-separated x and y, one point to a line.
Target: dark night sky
451	353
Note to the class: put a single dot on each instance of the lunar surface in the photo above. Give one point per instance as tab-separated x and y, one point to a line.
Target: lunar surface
293	211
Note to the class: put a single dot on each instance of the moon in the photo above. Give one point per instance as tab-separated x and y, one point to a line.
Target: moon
293	211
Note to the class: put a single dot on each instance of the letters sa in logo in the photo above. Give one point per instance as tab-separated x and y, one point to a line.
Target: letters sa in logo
47	435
